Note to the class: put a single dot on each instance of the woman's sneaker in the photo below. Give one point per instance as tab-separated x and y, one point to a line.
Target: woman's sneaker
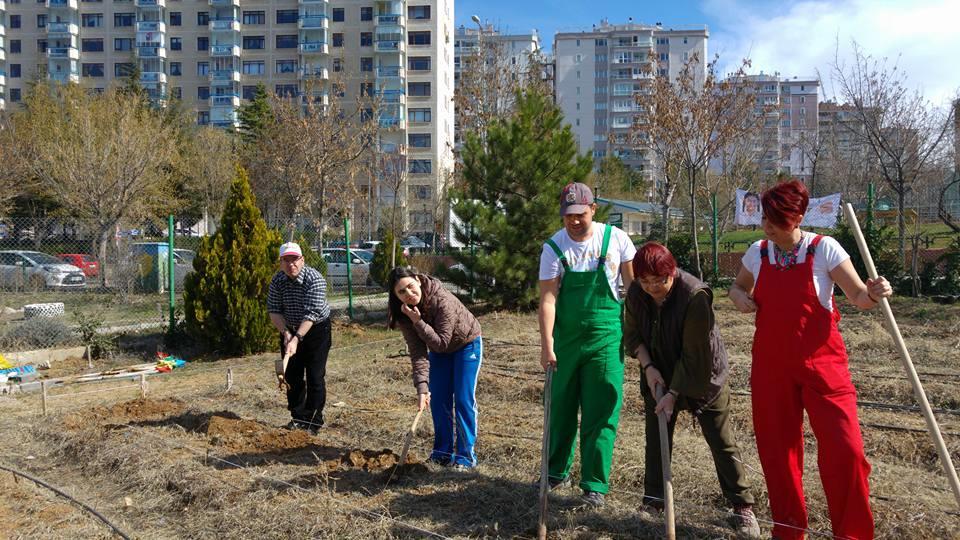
593	498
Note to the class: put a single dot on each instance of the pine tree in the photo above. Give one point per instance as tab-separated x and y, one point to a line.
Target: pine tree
511	198
255	116
225	299
380	265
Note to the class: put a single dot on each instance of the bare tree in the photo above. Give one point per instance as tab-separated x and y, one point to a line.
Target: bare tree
104	158
208	162
12	173
692	118
902	131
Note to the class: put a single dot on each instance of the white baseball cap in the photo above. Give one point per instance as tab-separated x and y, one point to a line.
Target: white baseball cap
290	248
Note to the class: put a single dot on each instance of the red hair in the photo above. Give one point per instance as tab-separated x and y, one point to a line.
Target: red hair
654	259
785	203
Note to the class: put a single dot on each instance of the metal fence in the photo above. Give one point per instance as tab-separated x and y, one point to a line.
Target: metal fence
59	287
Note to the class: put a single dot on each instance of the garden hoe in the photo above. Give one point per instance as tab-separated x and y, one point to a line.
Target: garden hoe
668	516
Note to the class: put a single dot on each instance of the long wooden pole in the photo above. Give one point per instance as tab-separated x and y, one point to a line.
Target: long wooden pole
545	457
409	438
668	514
894	330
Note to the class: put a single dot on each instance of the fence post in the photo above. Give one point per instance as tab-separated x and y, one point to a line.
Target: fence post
716	241
43	397
143	385
171	272
346	238
229	379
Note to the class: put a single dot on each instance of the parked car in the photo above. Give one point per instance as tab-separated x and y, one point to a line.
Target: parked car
21	269
337	267
186	255
89	265
412	244
370	244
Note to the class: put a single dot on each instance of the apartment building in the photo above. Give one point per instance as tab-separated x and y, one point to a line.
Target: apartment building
597	73
211	54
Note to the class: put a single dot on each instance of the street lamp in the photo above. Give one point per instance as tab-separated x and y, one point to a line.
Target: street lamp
479	114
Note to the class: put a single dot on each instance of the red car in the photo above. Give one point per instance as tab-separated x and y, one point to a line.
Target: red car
89	265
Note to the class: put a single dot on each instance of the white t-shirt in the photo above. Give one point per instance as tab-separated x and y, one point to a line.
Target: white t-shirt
583	256
829	255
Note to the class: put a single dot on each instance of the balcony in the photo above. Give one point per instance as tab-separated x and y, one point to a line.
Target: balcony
314	2
315	72
151	26
225	100
64	77
151	51
66	4
3	55
153	77
392	97
150	3
3	79
390	45
314	22
224	50
388	122
390	20
390	72
62	29
224	3
314	47
224	76
317	98
225	25
63	53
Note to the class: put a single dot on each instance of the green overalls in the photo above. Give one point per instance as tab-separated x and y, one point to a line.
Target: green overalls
589	379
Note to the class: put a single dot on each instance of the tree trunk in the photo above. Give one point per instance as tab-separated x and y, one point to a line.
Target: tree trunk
914	264
692	177
665	210
100	248
901	219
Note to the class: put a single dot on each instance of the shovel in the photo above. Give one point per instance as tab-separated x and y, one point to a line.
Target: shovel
281	369
668	516
409	438
544	457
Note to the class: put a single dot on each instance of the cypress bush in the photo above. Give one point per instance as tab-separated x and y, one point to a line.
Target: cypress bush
225	298
380	265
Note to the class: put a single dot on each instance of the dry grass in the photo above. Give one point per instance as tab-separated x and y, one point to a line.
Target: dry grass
178	454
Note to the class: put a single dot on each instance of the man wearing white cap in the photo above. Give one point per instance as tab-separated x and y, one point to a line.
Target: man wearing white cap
298	307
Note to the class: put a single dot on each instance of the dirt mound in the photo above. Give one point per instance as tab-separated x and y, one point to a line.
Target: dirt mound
249	436
137	410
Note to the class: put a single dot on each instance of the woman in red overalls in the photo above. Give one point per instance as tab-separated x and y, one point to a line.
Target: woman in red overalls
800	363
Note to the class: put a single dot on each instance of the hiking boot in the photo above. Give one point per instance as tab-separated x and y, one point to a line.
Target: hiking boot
652	505
593	498
745	521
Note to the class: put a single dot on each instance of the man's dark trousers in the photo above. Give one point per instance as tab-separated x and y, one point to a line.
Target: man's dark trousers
306	398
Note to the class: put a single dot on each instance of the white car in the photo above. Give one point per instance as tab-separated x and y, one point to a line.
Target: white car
36	270
337	267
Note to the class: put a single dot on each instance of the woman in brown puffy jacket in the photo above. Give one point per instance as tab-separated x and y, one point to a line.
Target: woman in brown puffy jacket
446	350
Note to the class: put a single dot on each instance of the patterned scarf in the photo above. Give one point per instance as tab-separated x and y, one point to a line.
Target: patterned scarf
786	259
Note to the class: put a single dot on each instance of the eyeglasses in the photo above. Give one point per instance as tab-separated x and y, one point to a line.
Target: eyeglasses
651	283
290	260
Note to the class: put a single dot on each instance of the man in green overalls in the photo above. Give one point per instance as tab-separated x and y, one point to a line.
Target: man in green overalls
580	336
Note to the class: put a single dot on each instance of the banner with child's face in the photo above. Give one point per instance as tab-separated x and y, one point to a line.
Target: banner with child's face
821	212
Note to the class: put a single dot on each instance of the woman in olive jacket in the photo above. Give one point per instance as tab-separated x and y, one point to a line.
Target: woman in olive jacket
670	327
446	350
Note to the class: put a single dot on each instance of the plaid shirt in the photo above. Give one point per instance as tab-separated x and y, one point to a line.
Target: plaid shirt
303	298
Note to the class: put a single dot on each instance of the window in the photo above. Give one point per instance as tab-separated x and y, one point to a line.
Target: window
420	166
337	65
418	38
42	20
338	39
41	45
366	89
418	115
422	193
337	14
286	90
176	92
366	64
176	44
91	45
257	17
366	39
577	59
176	69
176	18
254	42
286	16
418	13
203	92
123	19
122	69
203	69
248	92
122	44
254	68
664	57
14	71
663	41
418	89
418	63
15	23
684	41
203	117
203	43
686	57
287	41
366	14
14	92
14	46
87	20
203	18
599	43
91	70
286	66
419	140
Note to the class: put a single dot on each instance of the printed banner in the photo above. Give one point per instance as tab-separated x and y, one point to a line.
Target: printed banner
821	211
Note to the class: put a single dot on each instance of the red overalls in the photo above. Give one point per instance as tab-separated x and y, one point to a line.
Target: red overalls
800	362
